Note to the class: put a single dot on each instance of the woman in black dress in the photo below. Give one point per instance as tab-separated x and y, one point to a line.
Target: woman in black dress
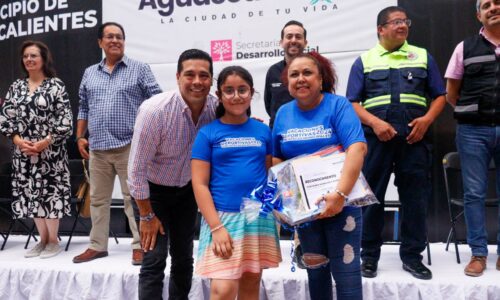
36	115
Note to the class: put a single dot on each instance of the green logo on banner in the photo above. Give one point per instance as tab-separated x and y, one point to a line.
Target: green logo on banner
314	2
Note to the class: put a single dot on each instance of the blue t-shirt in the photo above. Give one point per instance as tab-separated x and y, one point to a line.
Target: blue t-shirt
237	157
332	122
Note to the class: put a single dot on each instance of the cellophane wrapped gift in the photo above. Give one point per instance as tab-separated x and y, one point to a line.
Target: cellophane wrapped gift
294	186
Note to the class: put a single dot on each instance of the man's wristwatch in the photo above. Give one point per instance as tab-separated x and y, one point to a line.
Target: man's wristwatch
147	217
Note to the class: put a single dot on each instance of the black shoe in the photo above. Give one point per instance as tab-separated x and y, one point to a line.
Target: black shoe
369	269
418	270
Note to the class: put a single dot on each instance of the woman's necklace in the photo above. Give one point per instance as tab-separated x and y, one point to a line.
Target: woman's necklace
33	85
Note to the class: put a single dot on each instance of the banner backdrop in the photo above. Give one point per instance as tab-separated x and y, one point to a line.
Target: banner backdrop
243	32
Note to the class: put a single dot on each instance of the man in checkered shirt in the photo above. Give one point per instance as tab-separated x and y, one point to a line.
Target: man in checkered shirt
110	95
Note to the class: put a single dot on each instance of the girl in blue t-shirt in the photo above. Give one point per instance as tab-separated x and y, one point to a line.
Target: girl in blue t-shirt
230	158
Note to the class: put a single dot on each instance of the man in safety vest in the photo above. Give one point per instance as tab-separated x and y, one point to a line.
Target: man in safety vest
389	87
473	90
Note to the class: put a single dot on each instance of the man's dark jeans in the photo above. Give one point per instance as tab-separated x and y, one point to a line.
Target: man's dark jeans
411	165
176	208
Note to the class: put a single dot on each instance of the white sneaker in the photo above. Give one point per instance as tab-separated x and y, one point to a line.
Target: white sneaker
35	251
50	250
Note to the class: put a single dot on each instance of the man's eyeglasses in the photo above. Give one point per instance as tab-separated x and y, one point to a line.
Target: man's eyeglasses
398	22
243	93
110	37
30	56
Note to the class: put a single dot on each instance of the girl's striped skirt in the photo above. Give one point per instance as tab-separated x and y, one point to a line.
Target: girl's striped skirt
256	247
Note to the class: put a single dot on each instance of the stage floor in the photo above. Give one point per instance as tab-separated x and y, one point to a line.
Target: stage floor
114	277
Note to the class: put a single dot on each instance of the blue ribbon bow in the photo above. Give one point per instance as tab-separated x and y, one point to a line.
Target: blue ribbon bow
266	195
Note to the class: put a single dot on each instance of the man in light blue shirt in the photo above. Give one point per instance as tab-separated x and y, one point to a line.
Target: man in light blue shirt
110	95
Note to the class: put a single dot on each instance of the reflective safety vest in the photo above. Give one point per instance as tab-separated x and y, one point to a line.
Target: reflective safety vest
395	83
479	101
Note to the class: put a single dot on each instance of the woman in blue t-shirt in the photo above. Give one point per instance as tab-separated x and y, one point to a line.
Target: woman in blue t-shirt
314	119
230	158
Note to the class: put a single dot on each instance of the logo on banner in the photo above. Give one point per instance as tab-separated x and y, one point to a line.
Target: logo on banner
221	50
314	2
224	50
170	10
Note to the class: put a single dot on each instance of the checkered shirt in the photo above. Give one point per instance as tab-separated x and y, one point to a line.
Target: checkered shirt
109	101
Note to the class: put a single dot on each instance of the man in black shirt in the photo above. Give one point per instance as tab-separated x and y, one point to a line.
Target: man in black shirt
293	40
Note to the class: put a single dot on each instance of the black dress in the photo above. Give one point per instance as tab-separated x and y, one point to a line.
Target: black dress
40	184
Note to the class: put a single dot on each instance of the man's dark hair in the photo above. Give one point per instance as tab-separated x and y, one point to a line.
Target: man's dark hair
195	54
100	31
293	22
383	15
